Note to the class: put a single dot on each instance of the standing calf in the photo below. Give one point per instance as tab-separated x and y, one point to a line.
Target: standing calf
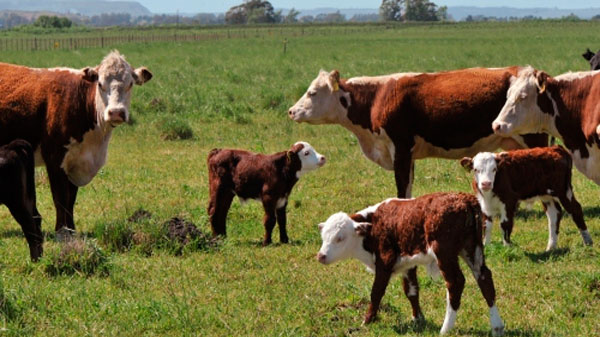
17	192
267	178
502	180
396	235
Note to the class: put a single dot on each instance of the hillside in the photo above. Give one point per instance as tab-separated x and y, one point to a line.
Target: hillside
84	7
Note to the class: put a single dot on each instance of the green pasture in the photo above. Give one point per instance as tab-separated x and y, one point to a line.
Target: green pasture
235	93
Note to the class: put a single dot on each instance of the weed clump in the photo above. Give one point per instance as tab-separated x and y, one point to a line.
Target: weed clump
77	256
184	236
174	128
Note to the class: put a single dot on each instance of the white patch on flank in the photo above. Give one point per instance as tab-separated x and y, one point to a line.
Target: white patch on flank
404	263
571	76
496	322
371	209
450	318
83	160
281	202
433	270
552	214
379	79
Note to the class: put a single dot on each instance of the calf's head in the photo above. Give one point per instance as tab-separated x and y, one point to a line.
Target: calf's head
323	102
484	165
309	158
593	59
342	238
114	78
521	112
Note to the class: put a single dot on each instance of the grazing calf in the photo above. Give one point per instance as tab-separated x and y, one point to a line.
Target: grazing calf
266	178
502	180
17	191
396	235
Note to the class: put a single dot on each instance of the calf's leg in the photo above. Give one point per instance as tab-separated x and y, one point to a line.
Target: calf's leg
554	215
218	207
488	224
382	278
455	283
411	290
573	207
507	222
269	220
281	222
31	227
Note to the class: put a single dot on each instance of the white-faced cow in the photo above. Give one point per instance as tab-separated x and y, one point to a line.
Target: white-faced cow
68	116
593	59
17	192
566	106
397	235
403	117
503	179
266	178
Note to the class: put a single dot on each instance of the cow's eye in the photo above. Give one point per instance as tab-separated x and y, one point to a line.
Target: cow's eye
311	93
475	170
306	153
339	239
100	86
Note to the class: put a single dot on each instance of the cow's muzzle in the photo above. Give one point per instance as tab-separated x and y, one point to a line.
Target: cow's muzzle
117	116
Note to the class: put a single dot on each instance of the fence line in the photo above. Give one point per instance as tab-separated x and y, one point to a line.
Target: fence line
100	40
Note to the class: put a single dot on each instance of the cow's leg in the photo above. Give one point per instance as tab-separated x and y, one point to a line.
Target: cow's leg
554	215
488	224
455	283
218	207
24	215
411	290
382	278
281	222
476	262
269	220
403	167
573	207
64	194
507	222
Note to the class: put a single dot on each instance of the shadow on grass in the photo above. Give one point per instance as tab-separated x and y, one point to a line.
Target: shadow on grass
49	235
410	326
591	212
545	256
515	332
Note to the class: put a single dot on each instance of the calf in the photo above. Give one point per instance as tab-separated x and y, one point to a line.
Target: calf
396	235
267	178
503	179
593	59
17	191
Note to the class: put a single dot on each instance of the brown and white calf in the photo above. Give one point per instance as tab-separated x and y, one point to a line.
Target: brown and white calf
266	178
565	106
396	235
67	115
17	192
401	118
503	179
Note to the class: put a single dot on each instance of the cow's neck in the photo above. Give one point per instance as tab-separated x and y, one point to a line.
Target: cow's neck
362	97
365	256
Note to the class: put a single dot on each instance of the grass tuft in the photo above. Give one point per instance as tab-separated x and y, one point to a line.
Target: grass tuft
175	128
77	256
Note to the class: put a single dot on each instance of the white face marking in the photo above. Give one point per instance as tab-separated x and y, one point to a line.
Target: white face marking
321	102
521	113
496	322
484	168
83	160
341	241
310	159
450	318
589	166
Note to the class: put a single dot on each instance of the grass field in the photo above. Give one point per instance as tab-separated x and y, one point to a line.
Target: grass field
235	93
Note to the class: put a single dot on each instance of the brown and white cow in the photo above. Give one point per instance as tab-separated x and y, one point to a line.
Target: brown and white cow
266	178
404	117
68	116
397	235
503	179
566	106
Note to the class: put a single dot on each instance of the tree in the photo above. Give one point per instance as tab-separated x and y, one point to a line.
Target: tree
391	10
292	16
46	21
420	10
442	13
252	11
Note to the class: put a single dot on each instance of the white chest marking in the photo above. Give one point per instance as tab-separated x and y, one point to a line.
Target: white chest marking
83	160
491	205
377	147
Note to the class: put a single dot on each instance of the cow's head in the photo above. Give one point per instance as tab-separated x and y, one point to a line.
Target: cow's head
323	102
484	165
342	238
309	158
594	59
521	112
114	79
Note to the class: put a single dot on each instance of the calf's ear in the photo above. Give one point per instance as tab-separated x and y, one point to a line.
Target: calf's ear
467	163
362	228
142	75
90	74
321	226
588	54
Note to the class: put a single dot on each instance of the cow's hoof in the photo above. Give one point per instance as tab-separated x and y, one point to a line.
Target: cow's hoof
498	331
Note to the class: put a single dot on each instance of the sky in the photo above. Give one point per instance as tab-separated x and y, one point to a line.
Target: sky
218	6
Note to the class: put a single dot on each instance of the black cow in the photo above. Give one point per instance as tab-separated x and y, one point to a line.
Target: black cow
593	59
17	191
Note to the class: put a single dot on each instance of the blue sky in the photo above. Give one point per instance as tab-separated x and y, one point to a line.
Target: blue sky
196	6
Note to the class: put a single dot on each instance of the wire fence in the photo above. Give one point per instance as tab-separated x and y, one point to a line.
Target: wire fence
101	40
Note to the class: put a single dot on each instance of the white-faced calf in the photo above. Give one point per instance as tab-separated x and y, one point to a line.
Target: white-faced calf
396	235
17	191
266	178
503	179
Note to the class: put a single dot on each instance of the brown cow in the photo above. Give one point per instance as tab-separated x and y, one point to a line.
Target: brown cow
404	117
68	116
266	178
397	235
566	106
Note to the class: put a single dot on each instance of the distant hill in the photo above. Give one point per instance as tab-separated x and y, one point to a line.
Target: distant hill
84	7
460	13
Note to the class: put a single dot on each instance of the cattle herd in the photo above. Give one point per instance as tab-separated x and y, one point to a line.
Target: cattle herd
63	118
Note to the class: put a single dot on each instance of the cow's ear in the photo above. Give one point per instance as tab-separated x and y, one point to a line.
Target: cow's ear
588	54
467	163
500	156
142	75
90	74
362	228
542	80
334	80
321	226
